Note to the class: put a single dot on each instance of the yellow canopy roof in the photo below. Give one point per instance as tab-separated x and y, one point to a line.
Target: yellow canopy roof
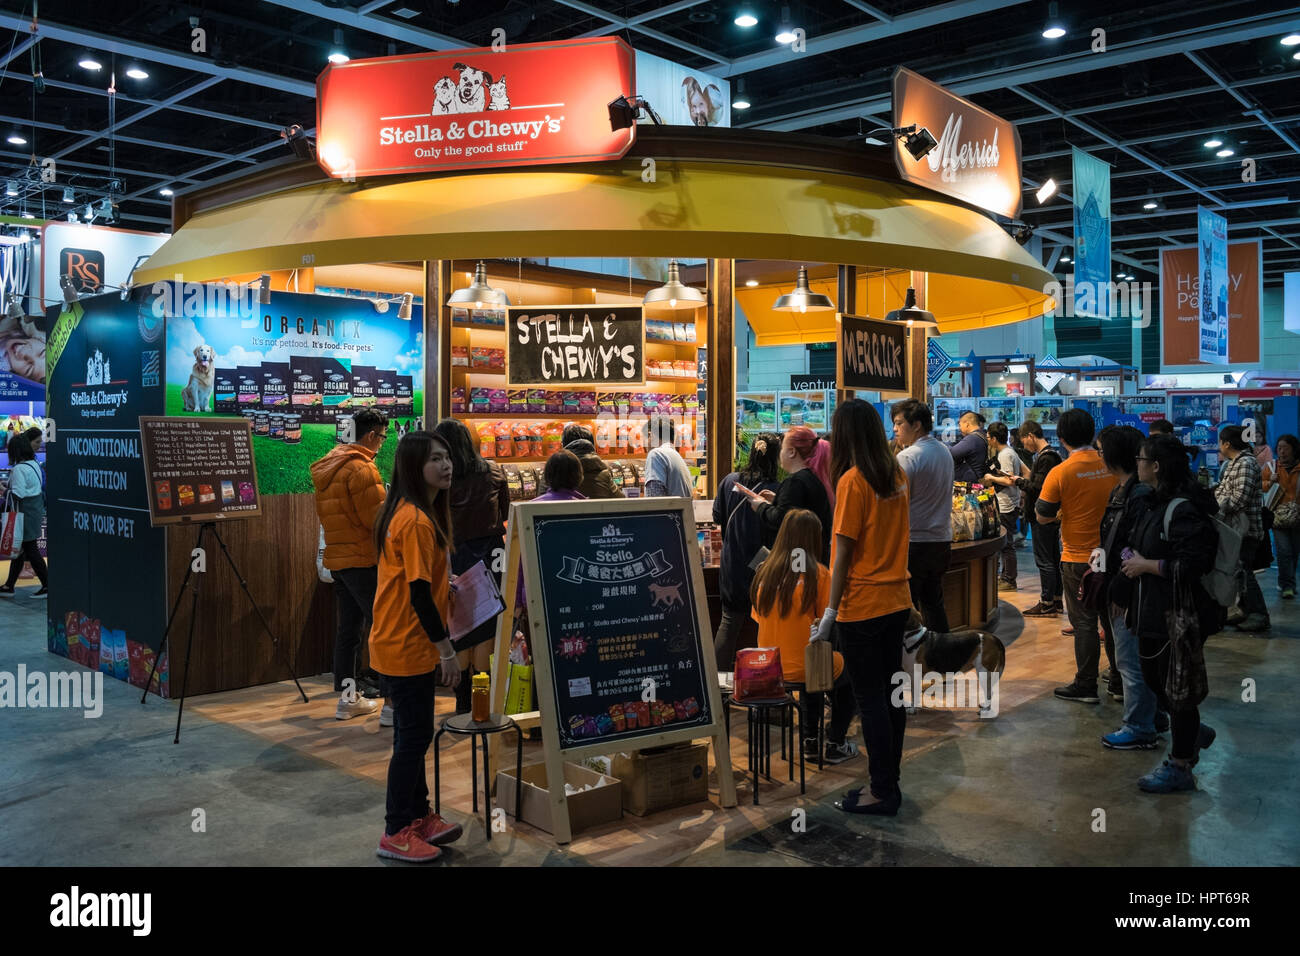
693	208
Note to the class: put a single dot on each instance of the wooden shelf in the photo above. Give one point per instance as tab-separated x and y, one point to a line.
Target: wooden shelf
607	457
547	416
577	386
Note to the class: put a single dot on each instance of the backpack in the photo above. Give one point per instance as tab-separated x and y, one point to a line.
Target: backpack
1221	582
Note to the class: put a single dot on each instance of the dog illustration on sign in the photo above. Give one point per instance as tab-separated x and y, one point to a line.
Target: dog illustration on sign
471	91
666	594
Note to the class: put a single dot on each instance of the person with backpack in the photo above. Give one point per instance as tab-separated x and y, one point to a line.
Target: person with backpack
1174	543
26	487
1240	497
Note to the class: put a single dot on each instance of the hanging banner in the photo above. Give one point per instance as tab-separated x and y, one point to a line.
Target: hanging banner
1212	240
528	104
681	96
937	361
1180	318
1091	235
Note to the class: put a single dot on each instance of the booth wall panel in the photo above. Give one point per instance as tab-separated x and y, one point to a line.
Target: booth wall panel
276	553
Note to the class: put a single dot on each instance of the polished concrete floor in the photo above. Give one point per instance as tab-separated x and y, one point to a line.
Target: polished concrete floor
1032	787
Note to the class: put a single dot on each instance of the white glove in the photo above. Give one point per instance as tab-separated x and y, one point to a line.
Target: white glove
822	632
448	666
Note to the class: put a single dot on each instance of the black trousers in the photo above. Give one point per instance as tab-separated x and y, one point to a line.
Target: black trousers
927	562
1047	557
408	787
354	595
1185	724
1009	521
31	554
843	707
873	654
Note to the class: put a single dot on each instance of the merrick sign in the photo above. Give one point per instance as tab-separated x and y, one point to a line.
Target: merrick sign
529	104
978	156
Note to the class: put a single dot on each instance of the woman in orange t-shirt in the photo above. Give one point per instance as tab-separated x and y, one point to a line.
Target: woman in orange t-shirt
869	600
787	598
409	641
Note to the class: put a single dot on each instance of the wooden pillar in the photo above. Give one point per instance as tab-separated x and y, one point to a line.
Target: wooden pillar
917	345
437	341
847	303
721	377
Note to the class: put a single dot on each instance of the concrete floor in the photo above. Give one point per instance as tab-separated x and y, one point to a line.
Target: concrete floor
1024	789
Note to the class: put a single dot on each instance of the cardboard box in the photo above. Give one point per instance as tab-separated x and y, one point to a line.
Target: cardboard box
663	777
587	809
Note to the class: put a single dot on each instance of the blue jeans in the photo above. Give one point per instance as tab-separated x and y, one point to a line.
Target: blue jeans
1139	699
1286	542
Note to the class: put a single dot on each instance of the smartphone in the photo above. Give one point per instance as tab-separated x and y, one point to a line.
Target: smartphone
753	494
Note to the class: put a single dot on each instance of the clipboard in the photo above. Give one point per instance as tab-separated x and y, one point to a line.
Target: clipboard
475	599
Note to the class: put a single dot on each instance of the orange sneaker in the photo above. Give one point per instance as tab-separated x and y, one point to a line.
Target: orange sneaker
437	831
407	845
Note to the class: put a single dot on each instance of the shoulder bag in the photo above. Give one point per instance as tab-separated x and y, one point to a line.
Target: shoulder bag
1186	683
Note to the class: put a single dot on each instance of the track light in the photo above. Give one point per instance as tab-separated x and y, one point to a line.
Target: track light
303	146
67	194
69	290
623	112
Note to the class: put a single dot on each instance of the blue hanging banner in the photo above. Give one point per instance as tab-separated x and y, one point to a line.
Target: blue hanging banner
937	361
1091	236
1212	240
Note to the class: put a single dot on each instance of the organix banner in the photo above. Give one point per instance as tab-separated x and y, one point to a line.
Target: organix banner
1091	234
296	368
1212	241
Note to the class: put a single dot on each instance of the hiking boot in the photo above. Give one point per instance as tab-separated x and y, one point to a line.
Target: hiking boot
1254	623
1125	739
1167	778
1041	610
1079	693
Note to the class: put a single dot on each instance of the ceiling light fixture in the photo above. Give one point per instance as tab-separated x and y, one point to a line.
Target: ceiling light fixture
785	33
479	294
90	63
1065	259
17	140
1224	153
1213	143
1053	30
751	283
1046	191
748	20
165	191
67	194
1291	39
337	55
11	187
741	102
1296	55
135	73
911	316
1150	204
803	299
673	294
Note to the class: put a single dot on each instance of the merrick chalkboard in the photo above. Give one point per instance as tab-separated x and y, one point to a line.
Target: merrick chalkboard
872	355
622	655
575	344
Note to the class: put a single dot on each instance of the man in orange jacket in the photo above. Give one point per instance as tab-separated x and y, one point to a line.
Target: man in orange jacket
349	494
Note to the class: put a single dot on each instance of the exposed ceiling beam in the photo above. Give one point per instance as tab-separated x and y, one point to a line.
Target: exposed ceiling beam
18	50
617	23
138	115
122	170
1294	220
1252	108
178	147
341	16
870	10
1161	213
1117	54
1068	240
1159	137
155	54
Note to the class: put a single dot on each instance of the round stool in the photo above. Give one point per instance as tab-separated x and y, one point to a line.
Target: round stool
760	755
463	725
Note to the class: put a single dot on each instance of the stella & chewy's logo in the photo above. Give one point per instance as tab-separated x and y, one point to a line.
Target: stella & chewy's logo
74	690
610	535
76	909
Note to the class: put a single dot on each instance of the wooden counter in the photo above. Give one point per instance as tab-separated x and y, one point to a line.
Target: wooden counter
970	587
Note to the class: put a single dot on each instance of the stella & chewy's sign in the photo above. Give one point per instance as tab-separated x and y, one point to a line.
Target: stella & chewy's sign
978	156
872	355
529	104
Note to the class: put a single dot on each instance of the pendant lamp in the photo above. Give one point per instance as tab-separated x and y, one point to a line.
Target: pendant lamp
803	299
911	316
672	294
479	295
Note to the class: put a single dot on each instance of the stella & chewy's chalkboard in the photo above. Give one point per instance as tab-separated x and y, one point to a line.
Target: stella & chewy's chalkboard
199	469
872	355
579	344
623	636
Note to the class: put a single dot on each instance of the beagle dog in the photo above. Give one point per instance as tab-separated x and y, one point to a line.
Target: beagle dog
929	652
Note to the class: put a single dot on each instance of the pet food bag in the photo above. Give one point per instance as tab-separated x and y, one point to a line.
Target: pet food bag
758	674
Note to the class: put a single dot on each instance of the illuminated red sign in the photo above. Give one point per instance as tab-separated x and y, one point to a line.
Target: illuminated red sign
528	104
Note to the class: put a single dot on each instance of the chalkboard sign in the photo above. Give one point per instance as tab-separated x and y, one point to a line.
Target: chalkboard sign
623	637
575	345
872	355
199	469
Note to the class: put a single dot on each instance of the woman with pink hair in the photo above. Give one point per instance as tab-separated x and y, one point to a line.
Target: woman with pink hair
805	458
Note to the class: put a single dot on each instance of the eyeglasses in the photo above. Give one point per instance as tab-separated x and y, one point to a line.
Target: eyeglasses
1140	458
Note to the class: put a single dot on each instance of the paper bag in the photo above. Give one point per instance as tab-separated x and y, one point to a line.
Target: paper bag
818	666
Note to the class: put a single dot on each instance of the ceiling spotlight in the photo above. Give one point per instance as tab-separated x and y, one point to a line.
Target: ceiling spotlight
741	102
803	299
1046	191
17	140
919	142
90	63
136	73
69	290
1291	39
165	191
303	146
11	187
404	310
785	33
1296	55
479	294
72	216
337	55
673	294
623	112
751	283
1224	153
67	194
1213	143
1053	30
749	20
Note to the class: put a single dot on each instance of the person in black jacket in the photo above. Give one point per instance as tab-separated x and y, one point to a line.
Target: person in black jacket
805	458
741	541
1046	537
1187	551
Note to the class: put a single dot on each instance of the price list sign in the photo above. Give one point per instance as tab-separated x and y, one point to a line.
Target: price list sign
622	629
199	469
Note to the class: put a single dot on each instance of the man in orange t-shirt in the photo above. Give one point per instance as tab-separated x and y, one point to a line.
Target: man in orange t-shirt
1075	494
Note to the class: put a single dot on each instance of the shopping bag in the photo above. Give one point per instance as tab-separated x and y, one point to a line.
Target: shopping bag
11	530
519	689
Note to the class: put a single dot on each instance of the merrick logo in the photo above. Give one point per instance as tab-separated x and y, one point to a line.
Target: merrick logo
75	909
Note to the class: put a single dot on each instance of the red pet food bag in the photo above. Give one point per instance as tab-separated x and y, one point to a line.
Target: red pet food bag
758	674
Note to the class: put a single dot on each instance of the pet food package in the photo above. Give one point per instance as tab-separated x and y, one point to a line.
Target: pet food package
225	392
587	403
305	389
248	387
363	386
480	401
607	404
275	386
537	401
460	356
505	441
604	434
514	483
496	359
458	402
499	401
517	400
758	674
551	438
405	404
336	386
528	478
121	661
487	440
480	357
386	389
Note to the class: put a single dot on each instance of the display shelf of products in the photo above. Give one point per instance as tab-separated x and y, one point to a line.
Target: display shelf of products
974	512
524	480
